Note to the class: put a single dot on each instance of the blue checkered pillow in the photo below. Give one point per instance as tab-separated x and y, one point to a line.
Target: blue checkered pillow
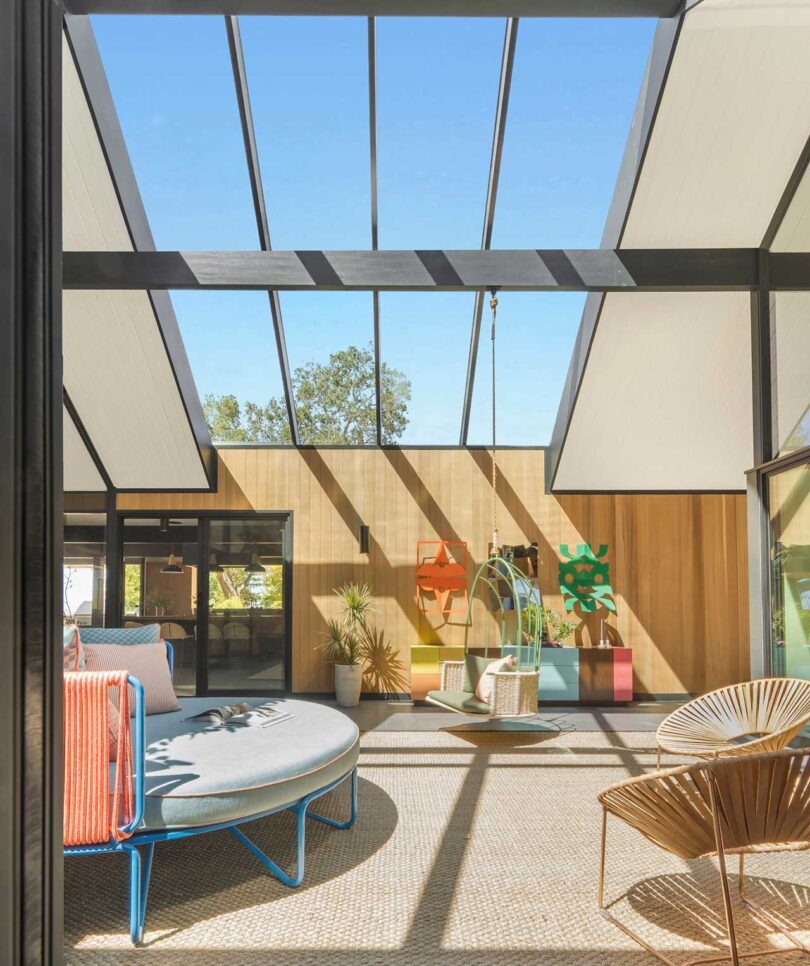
72	654
147	634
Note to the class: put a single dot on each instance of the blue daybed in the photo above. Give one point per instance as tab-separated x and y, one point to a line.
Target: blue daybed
192	777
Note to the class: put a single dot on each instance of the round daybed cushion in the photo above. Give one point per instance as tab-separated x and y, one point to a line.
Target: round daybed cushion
201	774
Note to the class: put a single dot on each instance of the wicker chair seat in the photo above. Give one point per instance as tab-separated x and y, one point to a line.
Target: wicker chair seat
742	805
743	719
514	693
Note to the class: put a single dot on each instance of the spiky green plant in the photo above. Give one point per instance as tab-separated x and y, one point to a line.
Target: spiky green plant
357	601
346	635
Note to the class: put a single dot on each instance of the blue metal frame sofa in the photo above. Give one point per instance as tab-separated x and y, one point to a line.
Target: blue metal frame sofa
190	778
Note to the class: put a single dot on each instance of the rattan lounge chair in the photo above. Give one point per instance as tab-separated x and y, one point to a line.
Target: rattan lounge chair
742	805
743	719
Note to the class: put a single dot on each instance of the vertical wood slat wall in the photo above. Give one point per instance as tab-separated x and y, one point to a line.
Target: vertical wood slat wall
677	562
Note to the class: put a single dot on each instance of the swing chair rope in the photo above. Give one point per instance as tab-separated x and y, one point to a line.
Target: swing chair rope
493	304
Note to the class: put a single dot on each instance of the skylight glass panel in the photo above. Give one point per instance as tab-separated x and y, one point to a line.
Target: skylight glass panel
535	334
575	84
173	88
437	87
331	352
232	352
425	341
308	80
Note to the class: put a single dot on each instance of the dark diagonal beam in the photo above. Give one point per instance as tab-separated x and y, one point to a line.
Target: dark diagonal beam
787	197
257	190
372	140
501	110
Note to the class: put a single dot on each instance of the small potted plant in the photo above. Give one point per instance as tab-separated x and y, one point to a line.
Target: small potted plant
557	629
347	641
160	600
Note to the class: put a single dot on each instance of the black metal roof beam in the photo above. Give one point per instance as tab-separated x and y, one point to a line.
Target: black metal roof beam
383	8
788	195
522	270
499	129
372	140
260	207
87	440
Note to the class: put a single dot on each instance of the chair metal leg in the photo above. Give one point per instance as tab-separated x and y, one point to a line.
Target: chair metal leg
721	857
734	956
300	811
763	914
140	872
658	759
600	901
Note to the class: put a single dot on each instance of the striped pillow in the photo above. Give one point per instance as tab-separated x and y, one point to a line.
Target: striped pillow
72	656
147	662
145	634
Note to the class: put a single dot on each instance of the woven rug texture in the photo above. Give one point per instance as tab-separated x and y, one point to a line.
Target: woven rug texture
472	848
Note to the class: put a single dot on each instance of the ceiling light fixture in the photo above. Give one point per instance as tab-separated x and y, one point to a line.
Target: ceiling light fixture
172	567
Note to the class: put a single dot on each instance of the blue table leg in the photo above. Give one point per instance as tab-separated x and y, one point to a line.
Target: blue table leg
300	810
140	872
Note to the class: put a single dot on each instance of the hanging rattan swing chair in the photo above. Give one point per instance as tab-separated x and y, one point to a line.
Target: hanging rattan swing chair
514	690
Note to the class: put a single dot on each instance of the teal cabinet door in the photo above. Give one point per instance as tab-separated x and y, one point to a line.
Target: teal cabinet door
559	674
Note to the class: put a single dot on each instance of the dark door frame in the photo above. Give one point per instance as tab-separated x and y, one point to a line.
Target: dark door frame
31	906
116	582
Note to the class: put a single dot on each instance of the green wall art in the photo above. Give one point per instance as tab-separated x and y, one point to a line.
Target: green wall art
585	579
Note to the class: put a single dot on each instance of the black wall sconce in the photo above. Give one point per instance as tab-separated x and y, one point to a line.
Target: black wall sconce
364	537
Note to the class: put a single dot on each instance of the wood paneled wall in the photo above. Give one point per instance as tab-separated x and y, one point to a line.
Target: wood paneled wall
677	562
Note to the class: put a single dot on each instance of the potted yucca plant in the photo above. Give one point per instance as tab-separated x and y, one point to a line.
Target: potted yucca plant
347	639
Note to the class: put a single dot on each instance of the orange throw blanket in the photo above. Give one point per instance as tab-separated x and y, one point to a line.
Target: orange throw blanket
92	814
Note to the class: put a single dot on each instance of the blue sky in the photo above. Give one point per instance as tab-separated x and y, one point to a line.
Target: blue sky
574	89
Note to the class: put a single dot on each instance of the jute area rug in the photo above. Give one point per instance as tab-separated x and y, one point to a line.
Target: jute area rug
472	848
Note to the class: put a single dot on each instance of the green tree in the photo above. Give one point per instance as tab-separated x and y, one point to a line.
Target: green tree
335	402
235	588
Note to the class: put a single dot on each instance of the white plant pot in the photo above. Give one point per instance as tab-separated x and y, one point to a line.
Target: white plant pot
348	679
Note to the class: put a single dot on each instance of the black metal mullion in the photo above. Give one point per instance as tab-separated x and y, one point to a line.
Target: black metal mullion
203	605
759	535
499	129
372	140
260	207
114	588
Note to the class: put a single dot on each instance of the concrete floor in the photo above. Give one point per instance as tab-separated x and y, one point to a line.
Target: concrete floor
405	716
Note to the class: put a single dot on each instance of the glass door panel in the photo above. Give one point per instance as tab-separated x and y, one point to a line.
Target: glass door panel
247	611
84	571
789	502
160	563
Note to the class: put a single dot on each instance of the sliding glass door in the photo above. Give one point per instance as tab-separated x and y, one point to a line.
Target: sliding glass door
247	605
160	585
219	586
789	511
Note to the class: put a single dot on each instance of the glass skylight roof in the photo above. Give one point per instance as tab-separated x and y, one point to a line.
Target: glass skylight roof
231	349
574	89
437	85
573	93
173	88
308	82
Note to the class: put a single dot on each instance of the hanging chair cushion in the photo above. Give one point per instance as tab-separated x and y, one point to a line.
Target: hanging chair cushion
485	686
474	669
461	701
